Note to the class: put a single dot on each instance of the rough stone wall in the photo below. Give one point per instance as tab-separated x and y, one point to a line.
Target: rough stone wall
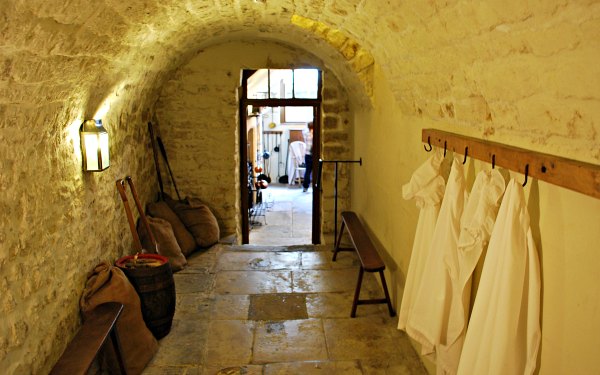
336	131
197	113
510	71
57	223
522	73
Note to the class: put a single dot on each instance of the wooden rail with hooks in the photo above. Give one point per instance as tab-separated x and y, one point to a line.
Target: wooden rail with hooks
571	174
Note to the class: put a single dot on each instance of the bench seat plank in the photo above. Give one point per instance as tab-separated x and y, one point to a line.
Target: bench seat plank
370	260
83	349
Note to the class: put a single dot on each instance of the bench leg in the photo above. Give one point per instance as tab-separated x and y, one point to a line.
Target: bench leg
387	295
357	292
338	241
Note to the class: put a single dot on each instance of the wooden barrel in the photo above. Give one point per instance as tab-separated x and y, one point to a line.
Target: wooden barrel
156	288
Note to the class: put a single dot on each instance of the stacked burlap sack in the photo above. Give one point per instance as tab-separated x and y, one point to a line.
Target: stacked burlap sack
180	228
107	283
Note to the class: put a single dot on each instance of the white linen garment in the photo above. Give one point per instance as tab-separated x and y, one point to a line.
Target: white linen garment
426	188
476	227
504	332
433	297
296	153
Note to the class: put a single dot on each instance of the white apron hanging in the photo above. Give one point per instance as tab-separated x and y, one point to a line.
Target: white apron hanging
504	333
426	188
476	225
433	298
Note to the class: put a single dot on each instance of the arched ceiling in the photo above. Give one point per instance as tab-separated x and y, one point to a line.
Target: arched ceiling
441	59
104	46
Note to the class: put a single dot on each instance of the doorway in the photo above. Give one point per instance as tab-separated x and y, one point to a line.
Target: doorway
275	107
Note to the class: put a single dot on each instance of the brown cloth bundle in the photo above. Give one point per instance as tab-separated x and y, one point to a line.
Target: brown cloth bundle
167	243
198	219
184	238
109	284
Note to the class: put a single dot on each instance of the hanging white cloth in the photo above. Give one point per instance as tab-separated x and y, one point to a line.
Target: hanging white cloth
426	188
504	332
296	153
433	298
476	227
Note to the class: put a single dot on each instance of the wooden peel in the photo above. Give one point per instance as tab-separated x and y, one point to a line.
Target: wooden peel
136	239
143	217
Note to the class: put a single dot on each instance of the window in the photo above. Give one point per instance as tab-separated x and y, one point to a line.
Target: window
283	84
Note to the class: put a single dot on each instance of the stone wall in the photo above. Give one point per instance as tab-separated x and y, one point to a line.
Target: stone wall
521	73
197	113
57	224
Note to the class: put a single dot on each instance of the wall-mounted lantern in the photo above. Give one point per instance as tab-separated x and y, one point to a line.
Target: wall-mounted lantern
94	146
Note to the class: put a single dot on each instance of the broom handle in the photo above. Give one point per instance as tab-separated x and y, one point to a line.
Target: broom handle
143	217
156	162
163	151
136	240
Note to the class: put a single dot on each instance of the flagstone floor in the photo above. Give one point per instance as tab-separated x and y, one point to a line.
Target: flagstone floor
286	218
279	310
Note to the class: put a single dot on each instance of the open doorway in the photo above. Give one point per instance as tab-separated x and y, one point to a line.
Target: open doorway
280	211
276	107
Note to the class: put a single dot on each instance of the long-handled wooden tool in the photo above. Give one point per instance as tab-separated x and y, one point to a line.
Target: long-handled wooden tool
136	239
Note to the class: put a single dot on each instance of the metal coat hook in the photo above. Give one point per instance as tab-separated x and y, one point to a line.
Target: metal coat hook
526	173
466	153
445	148
429	143
493	161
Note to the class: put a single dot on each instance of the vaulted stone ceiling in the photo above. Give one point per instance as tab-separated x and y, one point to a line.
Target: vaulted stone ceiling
424	48
441	58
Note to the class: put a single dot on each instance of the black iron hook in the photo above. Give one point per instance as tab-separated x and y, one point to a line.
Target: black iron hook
429	143
493	161
444	148
466	153
526	173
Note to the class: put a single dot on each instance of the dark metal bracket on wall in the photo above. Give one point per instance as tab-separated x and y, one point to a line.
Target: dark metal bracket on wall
335	185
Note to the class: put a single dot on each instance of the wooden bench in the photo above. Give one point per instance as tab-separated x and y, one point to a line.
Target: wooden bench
83	349
370	261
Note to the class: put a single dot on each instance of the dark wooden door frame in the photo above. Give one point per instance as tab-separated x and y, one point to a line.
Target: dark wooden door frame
243	150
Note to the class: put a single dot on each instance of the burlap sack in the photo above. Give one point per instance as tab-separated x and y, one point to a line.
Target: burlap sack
198	219
167	243
107	283
186	241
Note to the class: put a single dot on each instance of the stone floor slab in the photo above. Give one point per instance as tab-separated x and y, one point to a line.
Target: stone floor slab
321	260
360	338
211	332
327	281
229	341
338	305
178	355
314	368
246	261
253	282
230	307
171	370
193	306
200	282
290	340
233	370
